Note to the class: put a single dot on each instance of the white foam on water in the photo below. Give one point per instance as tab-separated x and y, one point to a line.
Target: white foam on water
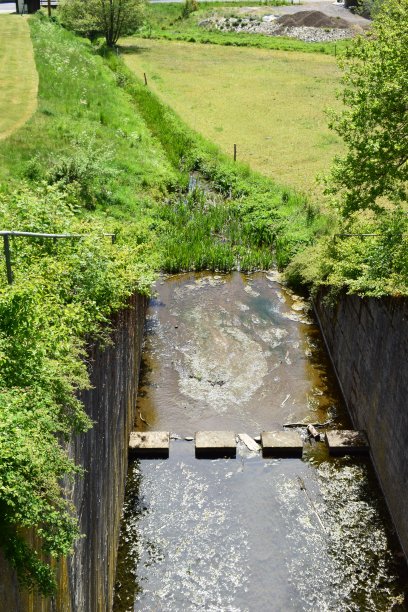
192	550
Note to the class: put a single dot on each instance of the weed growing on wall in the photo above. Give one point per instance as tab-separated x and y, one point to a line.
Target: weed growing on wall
62	293
369	258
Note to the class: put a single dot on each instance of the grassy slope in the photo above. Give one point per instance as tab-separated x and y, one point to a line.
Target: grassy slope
164	22
85	147
81	116
244	221
86	120
271	104
18	75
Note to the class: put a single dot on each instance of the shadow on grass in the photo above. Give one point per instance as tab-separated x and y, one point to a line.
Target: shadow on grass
133	49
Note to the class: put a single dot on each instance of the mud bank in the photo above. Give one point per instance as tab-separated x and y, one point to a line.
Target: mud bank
86	578
367	342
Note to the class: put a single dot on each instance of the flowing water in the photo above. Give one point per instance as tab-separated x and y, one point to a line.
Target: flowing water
241	353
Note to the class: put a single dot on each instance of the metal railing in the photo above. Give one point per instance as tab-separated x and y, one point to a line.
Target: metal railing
347	235
6	244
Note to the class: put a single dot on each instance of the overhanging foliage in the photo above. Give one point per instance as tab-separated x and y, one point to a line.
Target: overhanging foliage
374	124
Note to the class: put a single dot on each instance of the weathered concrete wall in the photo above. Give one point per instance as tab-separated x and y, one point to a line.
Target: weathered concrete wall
87	577
368	343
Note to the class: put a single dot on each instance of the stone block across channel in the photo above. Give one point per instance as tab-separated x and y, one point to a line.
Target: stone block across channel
281	444
346	442
215	444
149	444
219	444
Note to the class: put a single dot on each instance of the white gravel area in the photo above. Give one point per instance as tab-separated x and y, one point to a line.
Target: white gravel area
269	27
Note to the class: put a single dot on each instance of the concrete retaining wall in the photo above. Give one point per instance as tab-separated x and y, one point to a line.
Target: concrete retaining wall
368	343
87	577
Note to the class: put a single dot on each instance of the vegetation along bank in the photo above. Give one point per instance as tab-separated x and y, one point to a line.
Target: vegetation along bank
95	159
103	155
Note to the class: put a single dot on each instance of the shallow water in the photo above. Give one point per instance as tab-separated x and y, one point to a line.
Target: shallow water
231	352
241	353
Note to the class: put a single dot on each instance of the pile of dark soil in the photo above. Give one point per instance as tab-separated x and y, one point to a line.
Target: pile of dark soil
312	19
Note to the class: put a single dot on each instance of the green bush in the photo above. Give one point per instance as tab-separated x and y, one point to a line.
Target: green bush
87	168
368	257
189	6
63	162
96	18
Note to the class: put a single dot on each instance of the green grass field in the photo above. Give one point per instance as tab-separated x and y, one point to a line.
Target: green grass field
18	74
270	103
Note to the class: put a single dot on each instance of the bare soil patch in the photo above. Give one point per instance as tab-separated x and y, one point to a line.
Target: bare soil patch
312	19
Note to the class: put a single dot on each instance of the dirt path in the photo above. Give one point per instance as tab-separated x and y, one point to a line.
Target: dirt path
332	9
18	74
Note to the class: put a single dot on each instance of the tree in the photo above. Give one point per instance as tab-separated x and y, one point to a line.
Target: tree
109	18
369	8
374	124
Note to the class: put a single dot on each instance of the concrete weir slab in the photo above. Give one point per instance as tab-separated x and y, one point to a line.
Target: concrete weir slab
249	442
346	442
213	444
281	444
149	444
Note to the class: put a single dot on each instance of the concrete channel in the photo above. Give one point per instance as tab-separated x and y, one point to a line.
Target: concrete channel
258	529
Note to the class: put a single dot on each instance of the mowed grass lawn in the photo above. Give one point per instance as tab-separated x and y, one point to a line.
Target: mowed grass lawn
270	103
18	74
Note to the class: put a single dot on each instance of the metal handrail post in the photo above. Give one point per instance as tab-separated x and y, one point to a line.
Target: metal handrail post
7	255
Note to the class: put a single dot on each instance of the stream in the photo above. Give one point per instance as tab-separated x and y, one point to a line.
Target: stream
242	353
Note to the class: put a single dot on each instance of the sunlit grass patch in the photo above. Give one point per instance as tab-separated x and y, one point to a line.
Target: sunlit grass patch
271	104
18	74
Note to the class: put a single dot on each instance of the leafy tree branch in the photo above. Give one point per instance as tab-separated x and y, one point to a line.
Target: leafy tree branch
374	124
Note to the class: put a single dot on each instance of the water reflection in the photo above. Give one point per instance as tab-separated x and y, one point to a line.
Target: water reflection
232	352
240	353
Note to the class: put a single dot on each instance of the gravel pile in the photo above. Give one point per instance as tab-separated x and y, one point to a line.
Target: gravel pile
308	26
312	19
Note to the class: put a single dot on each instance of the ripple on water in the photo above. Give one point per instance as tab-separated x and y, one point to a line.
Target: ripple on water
248	533
192	551
343	560
223	365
